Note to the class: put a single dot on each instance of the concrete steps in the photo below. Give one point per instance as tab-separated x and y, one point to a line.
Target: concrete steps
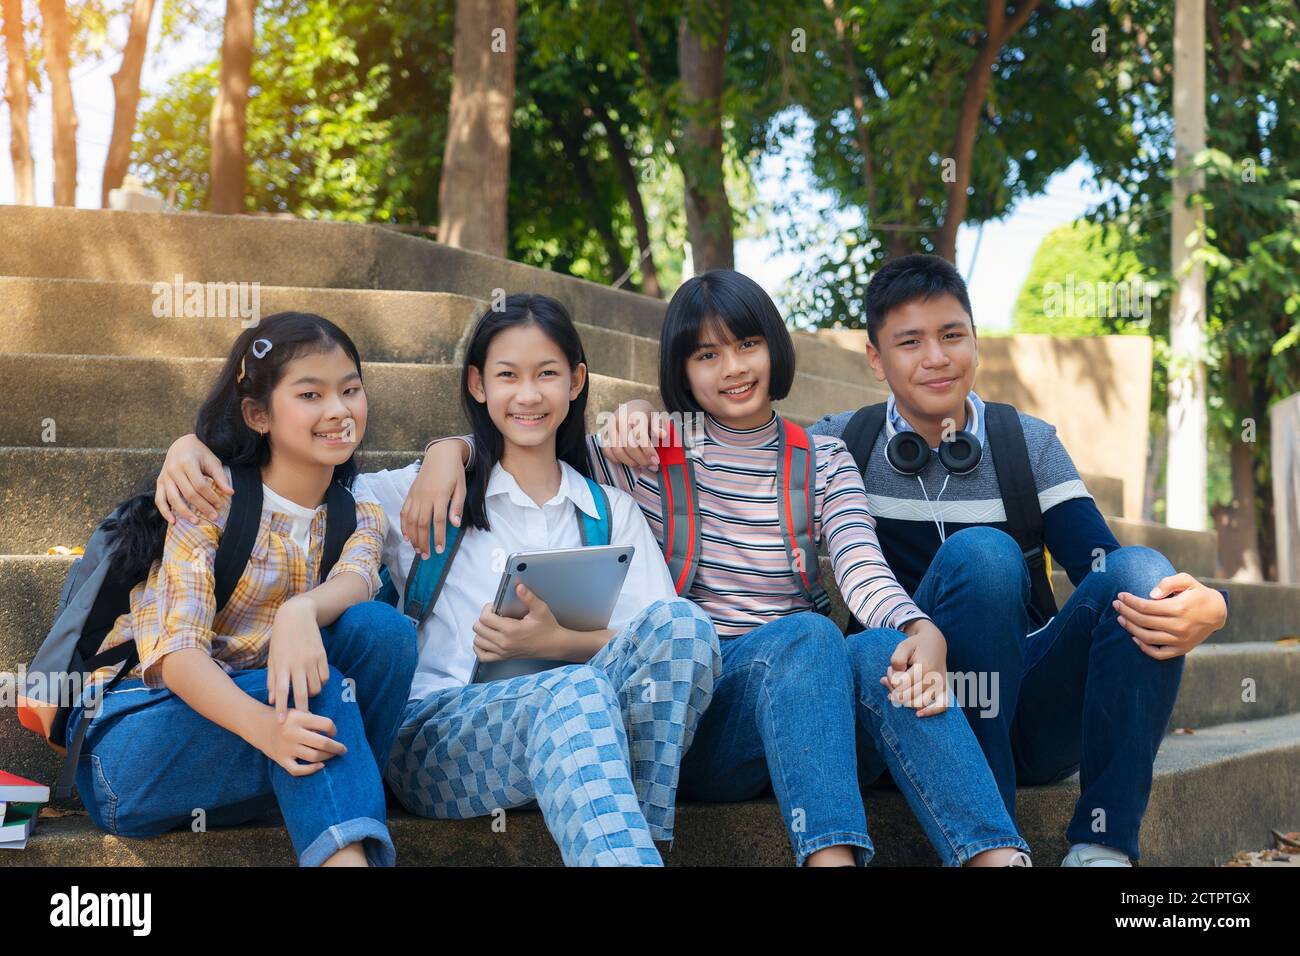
95	400
386	325
1213	792
80	344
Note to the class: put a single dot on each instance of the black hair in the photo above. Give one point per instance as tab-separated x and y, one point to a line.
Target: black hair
252	370
736	302
905	279
520	309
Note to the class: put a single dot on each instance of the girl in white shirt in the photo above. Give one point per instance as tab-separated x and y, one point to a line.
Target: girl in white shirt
598	744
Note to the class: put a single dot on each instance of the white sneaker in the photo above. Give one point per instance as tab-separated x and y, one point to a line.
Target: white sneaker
1094	854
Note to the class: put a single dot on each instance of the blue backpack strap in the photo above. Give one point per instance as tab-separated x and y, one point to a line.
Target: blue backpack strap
595	531
425	580
387	589
797	464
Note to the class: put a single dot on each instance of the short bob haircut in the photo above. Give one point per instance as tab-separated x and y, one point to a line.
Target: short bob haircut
720	298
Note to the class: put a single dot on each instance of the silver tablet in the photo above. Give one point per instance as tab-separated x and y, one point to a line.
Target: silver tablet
580	585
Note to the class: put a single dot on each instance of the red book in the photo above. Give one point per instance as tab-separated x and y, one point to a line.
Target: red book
16	789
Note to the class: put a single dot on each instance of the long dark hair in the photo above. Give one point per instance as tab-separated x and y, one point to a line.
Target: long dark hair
252	370
521	309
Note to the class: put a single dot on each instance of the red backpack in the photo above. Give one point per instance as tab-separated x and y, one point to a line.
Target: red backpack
681	511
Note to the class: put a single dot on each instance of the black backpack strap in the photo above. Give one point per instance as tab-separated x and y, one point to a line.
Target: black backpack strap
128	655
861	432
240	533
340	522
1006	438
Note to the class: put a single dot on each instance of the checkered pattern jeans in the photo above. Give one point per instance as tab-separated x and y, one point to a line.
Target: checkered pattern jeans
598	745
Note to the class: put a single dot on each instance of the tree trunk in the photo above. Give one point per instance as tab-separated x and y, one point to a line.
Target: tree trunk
632	191
229	176
20	146
572	143
475	188
58	41
860	131
701	53
126	91
1188	413
1000	28
1236	523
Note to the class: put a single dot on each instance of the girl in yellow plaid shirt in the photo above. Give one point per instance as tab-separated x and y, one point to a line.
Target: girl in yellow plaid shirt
290	695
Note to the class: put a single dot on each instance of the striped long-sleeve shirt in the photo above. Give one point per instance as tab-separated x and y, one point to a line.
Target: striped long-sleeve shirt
744	578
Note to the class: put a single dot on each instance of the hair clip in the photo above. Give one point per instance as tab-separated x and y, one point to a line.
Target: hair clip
265	347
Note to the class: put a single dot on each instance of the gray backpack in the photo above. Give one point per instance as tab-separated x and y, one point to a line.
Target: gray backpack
98	591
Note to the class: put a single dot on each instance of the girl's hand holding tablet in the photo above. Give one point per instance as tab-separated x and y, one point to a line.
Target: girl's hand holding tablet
536	635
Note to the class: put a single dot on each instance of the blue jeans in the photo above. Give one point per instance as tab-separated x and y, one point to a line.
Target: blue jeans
150	762
1077	694
597	745
798	704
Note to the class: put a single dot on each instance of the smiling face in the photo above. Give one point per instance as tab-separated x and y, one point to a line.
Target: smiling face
527	385
317	410
927	353
730	378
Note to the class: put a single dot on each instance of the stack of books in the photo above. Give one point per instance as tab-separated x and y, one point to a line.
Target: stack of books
20	805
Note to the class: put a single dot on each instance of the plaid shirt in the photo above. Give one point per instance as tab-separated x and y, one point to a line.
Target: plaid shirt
175	607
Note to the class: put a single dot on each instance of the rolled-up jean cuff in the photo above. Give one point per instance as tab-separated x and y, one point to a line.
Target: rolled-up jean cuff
964	854
373	835
863	851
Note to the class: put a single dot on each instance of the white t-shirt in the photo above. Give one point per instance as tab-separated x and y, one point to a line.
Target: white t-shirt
300	517
446	641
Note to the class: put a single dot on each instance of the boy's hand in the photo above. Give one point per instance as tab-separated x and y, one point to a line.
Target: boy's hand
296	657
438	490
918	676
1181	613
630	435
191	479
535	635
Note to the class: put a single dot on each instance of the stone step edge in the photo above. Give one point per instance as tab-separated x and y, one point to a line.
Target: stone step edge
55	835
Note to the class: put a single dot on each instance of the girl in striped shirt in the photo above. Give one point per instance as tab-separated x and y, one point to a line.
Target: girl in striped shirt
799	707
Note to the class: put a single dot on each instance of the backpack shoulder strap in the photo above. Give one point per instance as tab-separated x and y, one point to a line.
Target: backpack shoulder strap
240	533
797	461
425	579
861	432
680	509
340	522
1015	475
599	530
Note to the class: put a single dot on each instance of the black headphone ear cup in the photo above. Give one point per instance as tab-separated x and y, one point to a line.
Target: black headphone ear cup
961	453
907	453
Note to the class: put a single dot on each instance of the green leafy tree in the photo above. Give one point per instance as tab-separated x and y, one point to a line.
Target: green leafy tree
1251	246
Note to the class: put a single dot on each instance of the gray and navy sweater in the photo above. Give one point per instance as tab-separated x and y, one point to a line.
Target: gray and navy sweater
908	526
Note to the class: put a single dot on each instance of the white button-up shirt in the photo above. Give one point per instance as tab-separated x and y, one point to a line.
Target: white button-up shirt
446	640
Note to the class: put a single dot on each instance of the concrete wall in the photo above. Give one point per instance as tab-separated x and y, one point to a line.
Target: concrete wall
1096	391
